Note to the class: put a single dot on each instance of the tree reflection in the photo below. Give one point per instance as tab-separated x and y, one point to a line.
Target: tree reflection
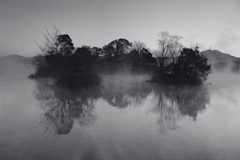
63	106
170	102
173	102
121	95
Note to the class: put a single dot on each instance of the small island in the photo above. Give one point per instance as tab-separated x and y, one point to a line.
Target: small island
60	61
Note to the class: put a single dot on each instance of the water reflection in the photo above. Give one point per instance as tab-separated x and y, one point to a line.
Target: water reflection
65	106
173	102
123	94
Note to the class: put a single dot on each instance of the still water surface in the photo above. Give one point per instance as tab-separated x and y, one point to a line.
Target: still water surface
124	118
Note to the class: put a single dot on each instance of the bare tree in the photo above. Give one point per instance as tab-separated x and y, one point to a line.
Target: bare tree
138	46
168	46
175	52
49	46
50	42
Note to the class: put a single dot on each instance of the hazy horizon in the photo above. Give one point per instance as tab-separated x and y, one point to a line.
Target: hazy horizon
210	23
29	56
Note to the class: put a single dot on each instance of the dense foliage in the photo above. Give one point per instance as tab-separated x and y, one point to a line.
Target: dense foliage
60	60
191	64
66	66
190	67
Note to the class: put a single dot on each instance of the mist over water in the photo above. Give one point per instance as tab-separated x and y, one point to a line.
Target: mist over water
125	118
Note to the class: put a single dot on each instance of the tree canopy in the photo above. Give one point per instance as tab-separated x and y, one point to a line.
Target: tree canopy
61	61
117	47
191	64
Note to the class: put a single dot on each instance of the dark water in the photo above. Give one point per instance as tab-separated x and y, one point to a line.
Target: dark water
124	118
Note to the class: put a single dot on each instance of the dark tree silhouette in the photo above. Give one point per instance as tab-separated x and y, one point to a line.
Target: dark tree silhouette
64	45
122	46
86	62
108	50
98	51
142	57
117	47
190	68
59	61
146	56
191	64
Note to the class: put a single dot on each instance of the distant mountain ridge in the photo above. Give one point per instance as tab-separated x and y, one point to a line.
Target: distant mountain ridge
215	56
15	64
16	59
221	61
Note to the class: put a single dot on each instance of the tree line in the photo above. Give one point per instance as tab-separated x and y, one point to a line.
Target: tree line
60	60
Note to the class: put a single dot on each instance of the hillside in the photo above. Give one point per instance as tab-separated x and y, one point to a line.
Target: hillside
16	58
14	65
222	61
215	56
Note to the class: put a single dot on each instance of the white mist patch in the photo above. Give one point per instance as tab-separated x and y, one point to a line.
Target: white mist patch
224	79
123	78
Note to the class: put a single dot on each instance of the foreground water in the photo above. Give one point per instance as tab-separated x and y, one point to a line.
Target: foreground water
124	118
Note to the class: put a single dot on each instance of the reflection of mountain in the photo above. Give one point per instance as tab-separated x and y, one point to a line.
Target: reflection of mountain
63	106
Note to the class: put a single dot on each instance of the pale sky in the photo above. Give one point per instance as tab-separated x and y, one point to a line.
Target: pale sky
211	23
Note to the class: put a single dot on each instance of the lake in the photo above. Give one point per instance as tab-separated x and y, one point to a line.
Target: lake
125	118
